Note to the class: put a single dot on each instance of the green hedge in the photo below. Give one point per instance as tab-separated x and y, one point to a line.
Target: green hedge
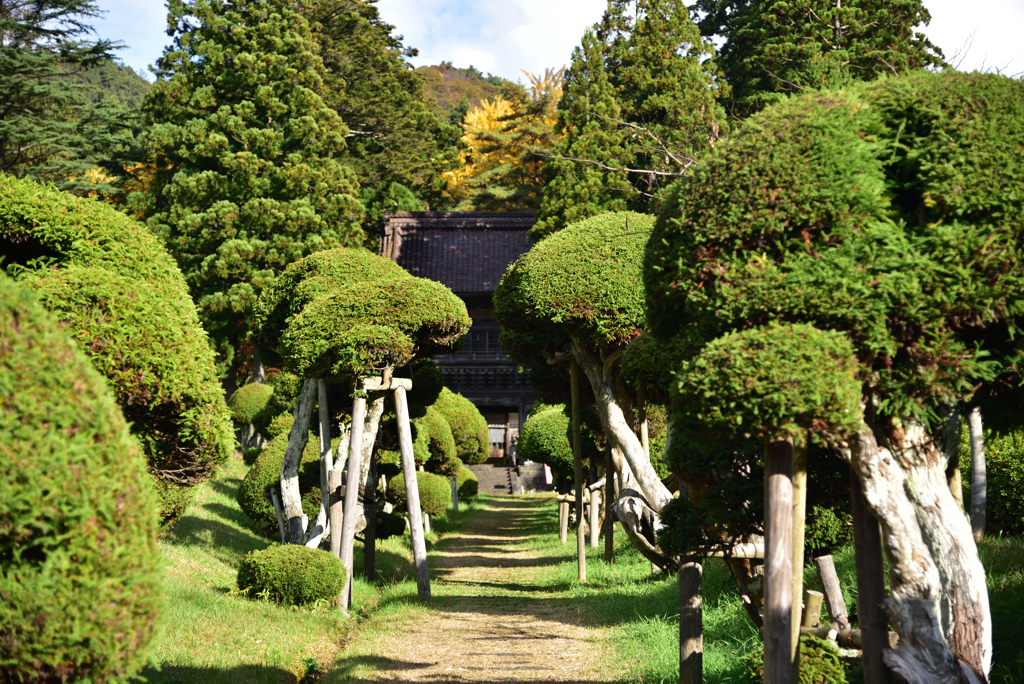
292	574
1004	469
469	427
249	401
544	438
468	484
433	446
435	492
80	576
266	473
120	295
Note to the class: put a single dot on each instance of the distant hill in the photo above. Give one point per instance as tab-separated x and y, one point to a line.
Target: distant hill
447	85
117	82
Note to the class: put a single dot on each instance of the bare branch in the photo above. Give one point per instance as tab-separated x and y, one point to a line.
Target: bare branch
648	172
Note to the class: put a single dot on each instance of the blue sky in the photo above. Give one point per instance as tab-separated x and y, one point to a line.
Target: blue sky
506	36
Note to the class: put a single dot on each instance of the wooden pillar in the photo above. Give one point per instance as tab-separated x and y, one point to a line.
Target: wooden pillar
348	529
577	458
609	494
867	544
799	516
319	528
778	562
834	601
979	478
563	518
691	618
812	609
370	533
336	516
412	495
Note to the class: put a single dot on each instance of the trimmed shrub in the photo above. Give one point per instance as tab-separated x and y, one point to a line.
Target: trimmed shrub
427	384
1004	469
435	493
292	574
819	663
266	473
249	456
249	401
281	425
389	525
544	438
79	565
434	446
469	427
120	295
467	483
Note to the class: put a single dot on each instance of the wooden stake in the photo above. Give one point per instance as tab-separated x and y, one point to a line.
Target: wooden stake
337	504
867	544
577	454
799	516
609	494
348	530
563	520
812	608
979	478
370	533
595	517
778	562
834	601
412	495
691	618
455	494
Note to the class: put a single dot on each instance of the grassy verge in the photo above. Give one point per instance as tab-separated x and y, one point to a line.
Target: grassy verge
212	634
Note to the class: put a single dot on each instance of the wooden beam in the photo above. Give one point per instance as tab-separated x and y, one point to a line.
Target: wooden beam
577	457
778	562
348	529
867	545
412	494
691	618
391	384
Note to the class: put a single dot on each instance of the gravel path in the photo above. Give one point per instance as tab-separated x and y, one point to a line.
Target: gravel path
491	620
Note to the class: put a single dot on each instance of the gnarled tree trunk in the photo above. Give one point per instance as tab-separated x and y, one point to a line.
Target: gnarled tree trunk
938	602
291	498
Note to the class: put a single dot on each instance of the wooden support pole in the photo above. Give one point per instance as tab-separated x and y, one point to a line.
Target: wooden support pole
577	458
370	533
812	608
609	495
319	527
979	478
455	494
691	619
834	601
412	495
867	544
799	516
336	511
778	562
348	529
595	517
563	520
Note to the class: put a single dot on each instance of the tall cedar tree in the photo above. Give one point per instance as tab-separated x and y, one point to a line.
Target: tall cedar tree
775	48
393	130
51	129
249	177
666	86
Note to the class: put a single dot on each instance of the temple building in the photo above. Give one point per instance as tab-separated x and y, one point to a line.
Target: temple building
469	252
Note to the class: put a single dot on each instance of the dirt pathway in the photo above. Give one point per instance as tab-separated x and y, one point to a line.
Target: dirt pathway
492	618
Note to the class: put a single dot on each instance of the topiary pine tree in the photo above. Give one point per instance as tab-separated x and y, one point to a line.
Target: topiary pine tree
862	212
53	128
774	48
666	88
249	175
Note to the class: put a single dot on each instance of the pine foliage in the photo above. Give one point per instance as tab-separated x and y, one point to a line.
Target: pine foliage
79	565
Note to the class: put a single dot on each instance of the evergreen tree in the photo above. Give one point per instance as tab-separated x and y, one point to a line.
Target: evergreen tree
248	176
775	48
583	180
50	127
666	88
393	130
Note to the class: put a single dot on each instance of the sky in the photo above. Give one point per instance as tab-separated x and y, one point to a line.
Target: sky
504	37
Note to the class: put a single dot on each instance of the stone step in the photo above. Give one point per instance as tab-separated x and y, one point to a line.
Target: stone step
495	476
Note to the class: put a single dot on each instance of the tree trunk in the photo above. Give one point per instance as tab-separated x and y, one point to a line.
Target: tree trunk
609	522
315	532
291	498
979	480
257	366
577	459
867	544
778	562
938	602
352	480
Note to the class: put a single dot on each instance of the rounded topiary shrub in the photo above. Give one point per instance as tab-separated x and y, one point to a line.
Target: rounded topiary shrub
819	663
79	566
435	492
1004	470
280	425
266	473
292	574
249	401
467	483
118	292
434	446
469	427
544	438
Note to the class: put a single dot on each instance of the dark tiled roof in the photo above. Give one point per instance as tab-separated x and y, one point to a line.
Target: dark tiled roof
467	251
